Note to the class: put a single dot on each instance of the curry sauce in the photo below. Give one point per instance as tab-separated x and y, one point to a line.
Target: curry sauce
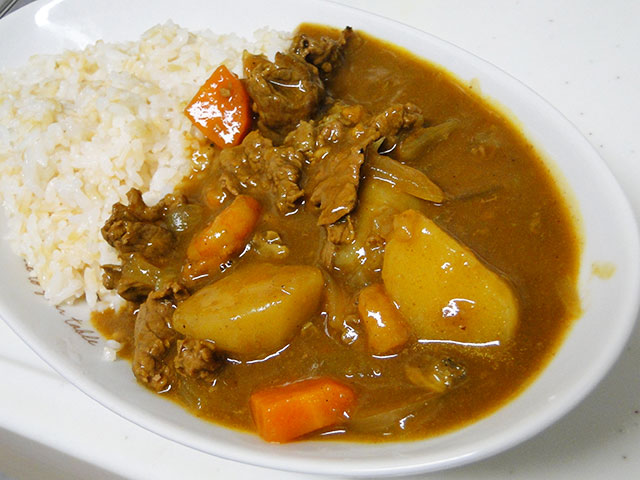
500	202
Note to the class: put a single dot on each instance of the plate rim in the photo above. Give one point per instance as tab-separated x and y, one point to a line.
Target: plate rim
28	11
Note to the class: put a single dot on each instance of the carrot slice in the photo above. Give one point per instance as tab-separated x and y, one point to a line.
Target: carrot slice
221	109
286	412
386	329
224	237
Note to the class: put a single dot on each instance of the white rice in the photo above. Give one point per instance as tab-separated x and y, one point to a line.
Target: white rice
110	350
79	129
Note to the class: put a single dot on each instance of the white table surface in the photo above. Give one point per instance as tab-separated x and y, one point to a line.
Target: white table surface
584	58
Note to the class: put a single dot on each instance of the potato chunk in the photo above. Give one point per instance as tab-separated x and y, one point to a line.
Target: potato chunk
442	289
378	202
255	310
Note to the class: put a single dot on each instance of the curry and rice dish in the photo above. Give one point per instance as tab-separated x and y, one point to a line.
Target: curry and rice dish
368	252
364	250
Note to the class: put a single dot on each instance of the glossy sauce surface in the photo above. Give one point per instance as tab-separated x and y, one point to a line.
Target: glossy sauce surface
501	203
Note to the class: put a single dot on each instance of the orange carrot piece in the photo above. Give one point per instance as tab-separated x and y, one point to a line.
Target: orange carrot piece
221	109
386	330
286	412
224	237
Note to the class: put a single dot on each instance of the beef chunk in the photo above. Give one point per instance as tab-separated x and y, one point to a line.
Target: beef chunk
140	228
111	275
303	138
197	359
395	119
323	52
284	92
134	291
134	279
153	337
257	164
128	288
343	137
341	232
334	148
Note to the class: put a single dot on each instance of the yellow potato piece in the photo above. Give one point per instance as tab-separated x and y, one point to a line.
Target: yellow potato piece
255	310
442	289
378	202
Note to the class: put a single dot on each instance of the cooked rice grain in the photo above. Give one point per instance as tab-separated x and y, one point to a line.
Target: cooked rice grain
79	129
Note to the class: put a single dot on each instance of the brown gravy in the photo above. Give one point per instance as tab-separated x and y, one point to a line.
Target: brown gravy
504	205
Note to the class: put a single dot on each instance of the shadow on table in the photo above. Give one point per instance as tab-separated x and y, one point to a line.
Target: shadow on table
25	459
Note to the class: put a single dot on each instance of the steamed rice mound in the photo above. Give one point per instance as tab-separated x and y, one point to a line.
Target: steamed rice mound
79	129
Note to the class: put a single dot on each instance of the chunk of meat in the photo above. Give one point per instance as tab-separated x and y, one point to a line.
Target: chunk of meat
341	232
130	289
344	135
140	228
197	359
284	92
134	279
257	164
302	139
111	275
323	52
153	337
395	119
335	149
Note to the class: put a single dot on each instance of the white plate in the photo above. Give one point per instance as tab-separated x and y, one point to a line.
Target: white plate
73	349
